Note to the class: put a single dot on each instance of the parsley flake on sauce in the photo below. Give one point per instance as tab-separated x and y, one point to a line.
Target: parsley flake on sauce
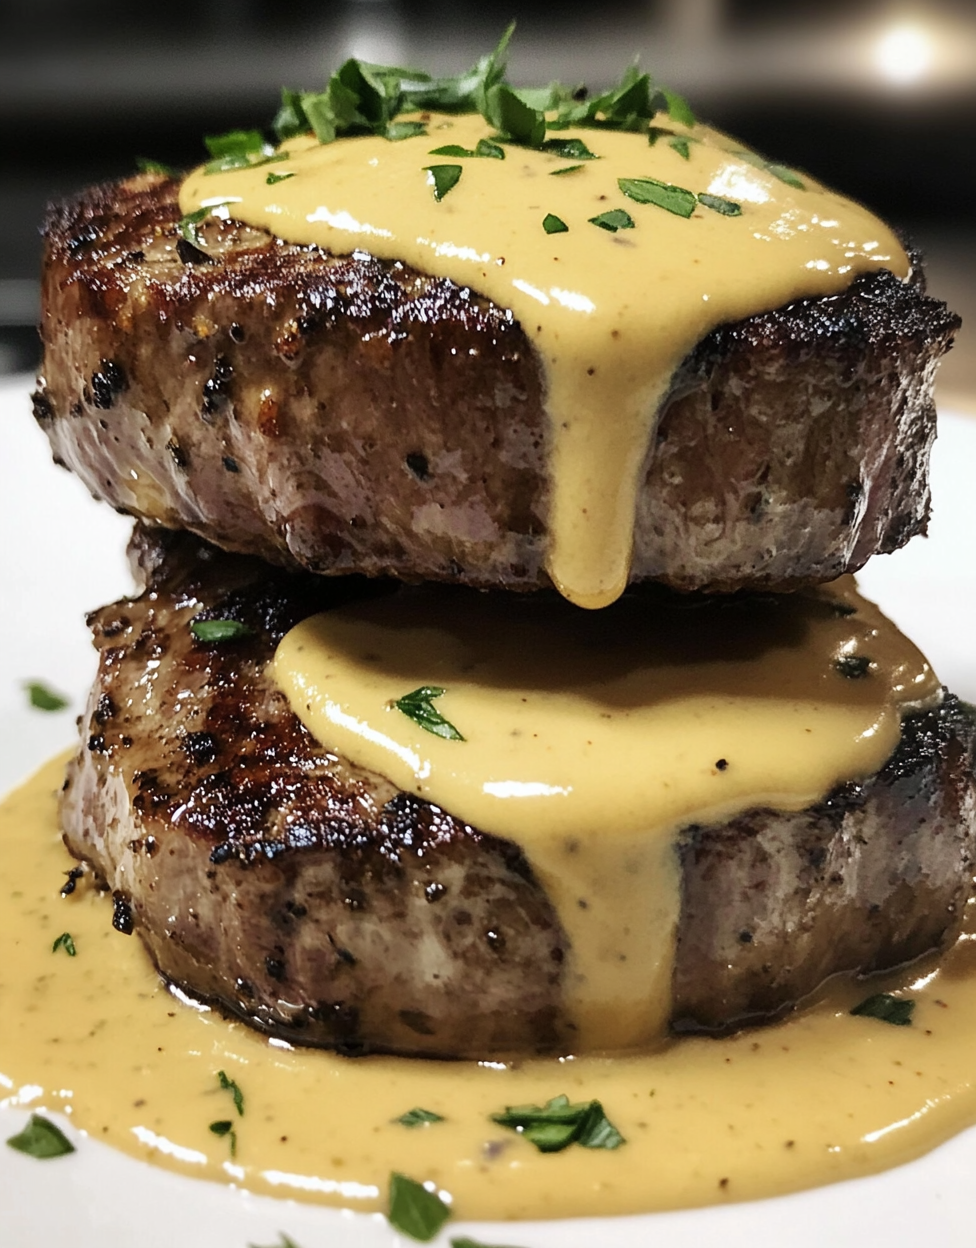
443	178
272	178
789	176
513	118
396	131
569	149
219	630
717	203
674	199
226	1128
187	229
284	1241
65	942
614	220
889	1009
557	1124
42	1139
228	1085
484	148
415	1209
42	698
418	1118
553	224
418	706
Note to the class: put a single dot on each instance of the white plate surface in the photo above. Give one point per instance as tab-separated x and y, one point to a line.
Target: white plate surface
63	554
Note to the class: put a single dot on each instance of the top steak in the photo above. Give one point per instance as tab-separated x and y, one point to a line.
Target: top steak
346	414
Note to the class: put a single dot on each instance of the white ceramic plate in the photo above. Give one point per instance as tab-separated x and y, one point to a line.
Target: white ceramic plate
63	554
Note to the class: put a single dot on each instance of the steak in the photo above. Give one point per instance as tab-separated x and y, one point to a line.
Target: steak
272	878
344	414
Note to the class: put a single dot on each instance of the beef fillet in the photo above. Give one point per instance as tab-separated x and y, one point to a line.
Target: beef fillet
345	414
270	877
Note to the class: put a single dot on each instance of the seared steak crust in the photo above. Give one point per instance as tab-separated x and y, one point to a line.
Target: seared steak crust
343	414
269	876
879	873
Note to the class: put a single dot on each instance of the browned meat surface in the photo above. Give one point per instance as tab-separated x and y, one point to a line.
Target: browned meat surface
878	874
351	415
269	876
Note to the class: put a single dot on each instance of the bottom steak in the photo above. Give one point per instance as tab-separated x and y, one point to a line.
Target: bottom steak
270	877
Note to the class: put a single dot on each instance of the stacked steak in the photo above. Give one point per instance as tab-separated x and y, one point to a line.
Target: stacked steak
288	427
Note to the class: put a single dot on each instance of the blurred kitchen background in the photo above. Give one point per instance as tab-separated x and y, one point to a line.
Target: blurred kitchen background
877	98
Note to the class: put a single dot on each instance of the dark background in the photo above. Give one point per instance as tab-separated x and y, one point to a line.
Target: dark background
876	98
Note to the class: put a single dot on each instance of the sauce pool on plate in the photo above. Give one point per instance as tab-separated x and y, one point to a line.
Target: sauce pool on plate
822	1097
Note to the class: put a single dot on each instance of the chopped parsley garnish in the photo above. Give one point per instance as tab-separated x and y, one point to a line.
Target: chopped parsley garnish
888	1009
187	226
272	178
65	942
569	149
398	130
239	149
650	191
554	173
782	172
787	175
513	118
219	630
557	1124
145	165
42	698
553	224
284	1241
442	178
226	1128
418	1118
241	143
614	220
484	147
418	706
41	1139
415	1209
365	98
228	1085
678	108
853	666
492	151
717	203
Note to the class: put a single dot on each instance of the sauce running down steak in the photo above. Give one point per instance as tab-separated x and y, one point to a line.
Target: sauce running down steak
343	414
268	876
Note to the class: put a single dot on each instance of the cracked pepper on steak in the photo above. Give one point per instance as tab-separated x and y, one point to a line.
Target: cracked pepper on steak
270	877
345	414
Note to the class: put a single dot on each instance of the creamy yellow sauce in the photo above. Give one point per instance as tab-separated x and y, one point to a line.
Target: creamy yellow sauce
822	1097
611	315
592	738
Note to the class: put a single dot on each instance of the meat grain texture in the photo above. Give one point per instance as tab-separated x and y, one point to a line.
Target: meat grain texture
274	879
343	414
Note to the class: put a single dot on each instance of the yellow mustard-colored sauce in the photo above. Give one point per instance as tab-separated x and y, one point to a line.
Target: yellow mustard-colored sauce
610	314
590	739
821	1097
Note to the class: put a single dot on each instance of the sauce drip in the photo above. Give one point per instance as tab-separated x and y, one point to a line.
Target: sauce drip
592	738
611	314
98	1037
